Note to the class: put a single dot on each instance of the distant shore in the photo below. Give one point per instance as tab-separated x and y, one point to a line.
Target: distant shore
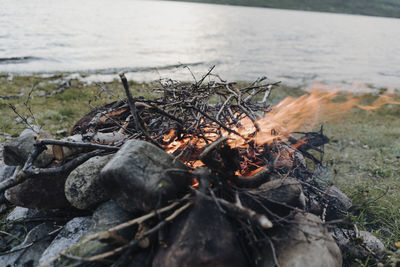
379	8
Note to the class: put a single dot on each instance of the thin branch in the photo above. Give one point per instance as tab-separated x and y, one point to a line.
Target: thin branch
109	232
118	250
237	210
132	106
78	144
29	171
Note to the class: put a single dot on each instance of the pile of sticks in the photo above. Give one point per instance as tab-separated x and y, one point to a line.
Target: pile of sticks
207	114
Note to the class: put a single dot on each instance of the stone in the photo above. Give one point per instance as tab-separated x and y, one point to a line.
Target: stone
339	203
45	192
287	191
17	231
354	246
3	209
67	238
202	238
305	242
18	150
372	242
19	213
29	251
21	220
135	177
83	188
106	216
6	171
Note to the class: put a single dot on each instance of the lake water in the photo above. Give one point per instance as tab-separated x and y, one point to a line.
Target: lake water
149	39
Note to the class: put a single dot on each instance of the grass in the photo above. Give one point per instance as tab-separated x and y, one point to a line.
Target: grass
366	160
58	111
364	153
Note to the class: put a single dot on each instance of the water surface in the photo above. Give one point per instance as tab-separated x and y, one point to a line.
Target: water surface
150	38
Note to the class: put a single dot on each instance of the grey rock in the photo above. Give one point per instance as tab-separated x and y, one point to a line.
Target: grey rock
17	231
83	188
306	242
372	242
22	220
28	252
18	150
287	191
353	245
3	208
6	171
106	216
67	238
135	177
339	203
203	238
19	213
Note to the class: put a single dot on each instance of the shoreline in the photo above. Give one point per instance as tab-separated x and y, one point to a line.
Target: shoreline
151	75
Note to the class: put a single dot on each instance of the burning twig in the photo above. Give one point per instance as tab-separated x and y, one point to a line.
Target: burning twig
253	181
212	147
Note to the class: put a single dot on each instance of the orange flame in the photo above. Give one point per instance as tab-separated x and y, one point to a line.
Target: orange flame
305	112
290	115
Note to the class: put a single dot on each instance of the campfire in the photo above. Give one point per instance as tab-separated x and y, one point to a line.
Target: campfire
214	175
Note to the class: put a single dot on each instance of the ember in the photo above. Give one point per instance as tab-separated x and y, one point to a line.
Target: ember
217	176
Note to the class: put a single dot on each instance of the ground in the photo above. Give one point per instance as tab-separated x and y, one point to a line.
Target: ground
363	156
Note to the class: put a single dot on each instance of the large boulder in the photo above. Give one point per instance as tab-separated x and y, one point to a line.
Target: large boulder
83	188
136	176
202	238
